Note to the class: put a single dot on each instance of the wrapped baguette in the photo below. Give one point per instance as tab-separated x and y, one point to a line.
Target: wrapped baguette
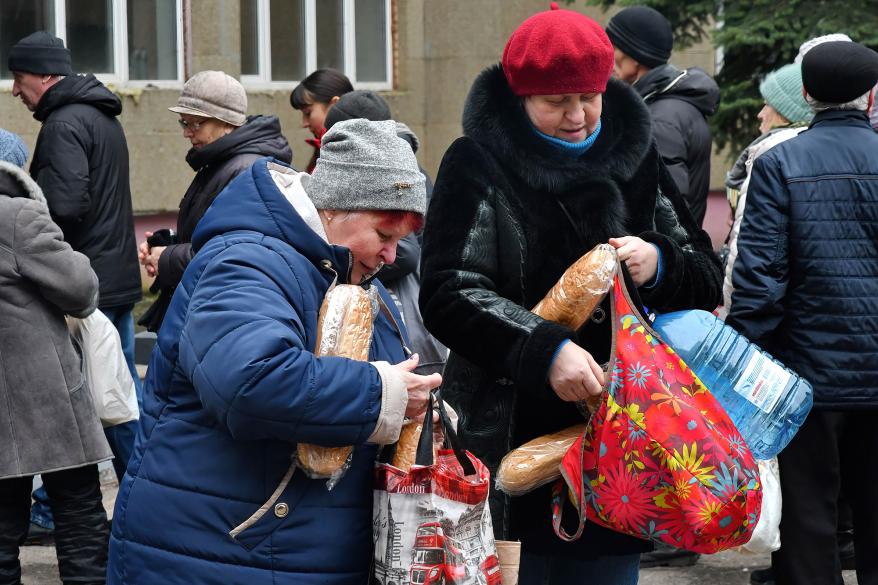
410	436
537	462
570	302
579	290
407	447
344	329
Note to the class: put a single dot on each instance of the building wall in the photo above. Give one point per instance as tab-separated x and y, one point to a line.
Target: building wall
441	46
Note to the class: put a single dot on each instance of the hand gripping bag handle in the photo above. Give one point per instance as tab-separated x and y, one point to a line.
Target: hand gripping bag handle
424	454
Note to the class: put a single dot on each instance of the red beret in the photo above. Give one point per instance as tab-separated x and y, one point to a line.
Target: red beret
558	51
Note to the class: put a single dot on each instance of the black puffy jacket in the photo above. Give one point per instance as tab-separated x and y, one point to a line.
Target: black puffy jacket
215	165
509	215
679	103
806	278
81	164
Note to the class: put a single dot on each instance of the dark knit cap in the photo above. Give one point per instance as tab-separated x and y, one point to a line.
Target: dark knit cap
643	34
360	103
41	53
556	52
838	72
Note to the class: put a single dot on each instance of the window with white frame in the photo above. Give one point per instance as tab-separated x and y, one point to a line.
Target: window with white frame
117	40
282	41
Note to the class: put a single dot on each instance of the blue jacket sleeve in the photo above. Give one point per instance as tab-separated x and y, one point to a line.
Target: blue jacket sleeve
761	272
243	347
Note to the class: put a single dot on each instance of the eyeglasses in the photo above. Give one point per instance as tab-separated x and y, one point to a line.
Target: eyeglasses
194	126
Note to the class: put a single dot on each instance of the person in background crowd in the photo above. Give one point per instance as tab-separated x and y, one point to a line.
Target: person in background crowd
556	157
784	115
371	106
402	277
734	182
234	385
680	101
313	97
873	114
81	164
805	288
225	141
48	423
811	43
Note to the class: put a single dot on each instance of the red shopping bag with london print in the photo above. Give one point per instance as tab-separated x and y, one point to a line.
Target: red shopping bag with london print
432	523
660	459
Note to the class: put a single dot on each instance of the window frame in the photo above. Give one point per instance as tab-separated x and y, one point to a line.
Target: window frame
120	48
263	80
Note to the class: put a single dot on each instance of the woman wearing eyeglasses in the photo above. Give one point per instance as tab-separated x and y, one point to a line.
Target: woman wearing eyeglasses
225	141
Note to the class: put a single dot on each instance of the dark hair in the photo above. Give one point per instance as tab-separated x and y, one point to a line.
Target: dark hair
321	86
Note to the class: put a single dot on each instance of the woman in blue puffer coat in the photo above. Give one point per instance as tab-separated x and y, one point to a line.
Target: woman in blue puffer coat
233	384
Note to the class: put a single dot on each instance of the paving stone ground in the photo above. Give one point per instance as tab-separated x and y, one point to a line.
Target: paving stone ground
40	568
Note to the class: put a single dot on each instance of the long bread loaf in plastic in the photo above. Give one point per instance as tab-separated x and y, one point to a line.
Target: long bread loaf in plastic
578	292
344	329
537	462
570	302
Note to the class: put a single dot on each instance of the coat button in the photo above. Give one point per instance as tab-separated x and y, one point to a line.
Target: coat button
281	510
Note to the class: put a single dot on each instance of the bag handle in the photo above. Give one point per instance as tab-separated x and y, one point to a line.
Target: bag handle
424	454
558	493
631	292
559	488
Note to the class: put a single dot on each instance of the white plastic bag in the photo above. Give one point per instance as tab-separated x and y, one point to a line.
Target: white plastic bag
766	536
106	371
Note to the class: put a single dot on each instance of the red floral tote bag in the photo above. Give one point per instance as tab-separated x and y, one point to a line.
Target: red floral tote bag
660	459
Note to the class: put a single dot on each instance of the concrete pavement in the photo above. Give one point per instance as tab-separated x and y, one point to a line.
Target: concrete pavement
729	568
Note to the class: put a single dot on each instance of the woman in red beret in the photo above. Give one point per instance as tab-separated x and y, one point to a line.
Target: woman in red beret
556	157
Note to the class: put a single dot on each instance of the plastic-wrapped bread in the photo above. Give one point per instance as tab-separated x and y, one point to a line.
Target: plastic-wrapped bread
410	436
344	329
537	462
579	290
407	447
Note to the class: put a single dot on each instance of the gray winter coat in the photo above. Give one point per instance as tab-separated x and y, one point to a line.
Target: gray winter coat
47	417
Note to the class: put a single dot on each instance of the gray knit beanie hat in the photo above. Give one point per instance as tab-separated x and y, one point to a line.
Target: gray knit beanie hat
365	165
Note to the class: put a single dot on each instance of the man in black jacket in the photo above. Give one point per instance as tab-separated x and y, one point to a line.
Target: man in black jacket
81	163
679	101
806	290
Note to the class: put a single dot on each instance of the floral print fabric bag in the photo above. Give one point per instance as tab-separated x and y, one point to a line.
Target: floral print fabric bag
660	459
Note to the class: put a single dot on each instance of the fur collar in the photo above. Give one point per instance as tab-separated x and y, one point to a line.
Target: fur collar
494	117
26	186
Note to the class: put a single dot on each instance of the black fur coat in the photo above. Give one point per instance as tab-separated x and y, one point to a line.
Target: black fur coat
509	214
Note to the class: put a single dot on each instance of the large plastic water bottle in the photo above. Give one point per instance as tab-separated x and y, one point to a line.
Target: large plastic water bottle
766	401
